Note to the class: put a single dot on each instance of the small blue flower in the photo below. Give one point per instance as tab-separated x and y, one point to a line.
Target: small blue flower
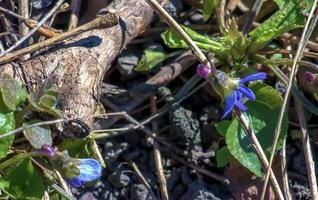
235	97
90	170
231	90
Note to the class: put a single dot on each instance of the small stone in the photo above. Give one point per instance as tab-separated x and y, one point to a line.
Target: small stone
140	192
87	196
174	7
198	191
119	179
197	18
127	61
301	190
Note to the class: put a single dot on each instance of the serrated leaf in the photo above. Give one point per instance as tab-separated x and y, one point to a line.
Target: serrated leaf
22	181
150	59
208	7
287	18
173	40
281	3
12	92
7	123
263	120
38	135
222	157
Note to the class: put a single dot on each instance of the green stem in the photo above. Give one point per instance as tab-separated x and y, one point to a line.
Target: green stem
21	114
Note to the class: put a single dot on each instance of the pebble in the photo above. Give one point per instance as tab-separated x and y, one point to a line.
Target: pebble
197	18
139	192
127	61
119	179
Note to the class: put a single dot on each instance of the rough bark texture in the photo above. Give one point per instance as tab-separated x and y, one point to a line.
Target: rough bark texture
76	67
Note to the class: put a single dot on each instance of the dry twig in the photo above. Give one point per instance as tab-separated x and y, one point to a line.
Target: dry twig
157	154
106	21
307	150
76	6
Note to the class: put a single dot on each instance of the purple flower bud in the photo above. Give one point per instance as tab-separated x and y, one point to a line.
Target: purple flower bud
203	70
309	76
48	150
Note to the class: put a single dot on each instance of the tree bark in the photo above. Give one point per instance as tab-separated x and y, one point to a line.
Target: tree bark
76	67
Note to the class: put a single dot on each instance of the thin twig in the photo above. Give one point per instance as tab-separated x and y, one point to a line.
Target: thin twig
18	130
45	18
285	181
106	21
76	6
157	154
208	173
23	29
44	30
143	180
310	165
63	182
256	7
298	55
222	17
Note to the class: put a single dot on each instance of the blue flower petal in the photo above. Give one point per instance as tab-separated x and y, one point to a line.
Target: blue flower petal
229	104
253	77
240	106
75	182
90	170
246	92
239	96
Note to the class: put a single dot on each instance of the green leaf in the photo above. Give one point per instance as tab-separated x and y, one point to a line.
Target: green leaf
222	127
208	7
222	157
38	135
285	19
7	123
22	181
77	148
266	94
12	92
263	120
308	3
46	103
150	59
173	40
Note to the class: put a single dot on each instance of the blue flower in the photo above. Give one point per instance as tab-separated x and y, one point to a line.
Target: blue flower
90	170
234	98
231	90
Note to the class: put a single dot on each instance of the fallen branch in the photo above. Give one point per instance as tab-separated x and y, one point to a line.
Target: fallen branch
76	67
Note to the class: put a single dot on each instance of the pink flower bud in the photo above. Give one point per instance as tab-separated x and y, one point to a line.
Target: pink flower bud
309	76
48	150
203	70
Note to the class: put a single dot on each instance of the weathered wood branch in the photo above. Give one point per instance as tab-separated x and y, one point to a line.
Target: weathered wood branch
76	67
